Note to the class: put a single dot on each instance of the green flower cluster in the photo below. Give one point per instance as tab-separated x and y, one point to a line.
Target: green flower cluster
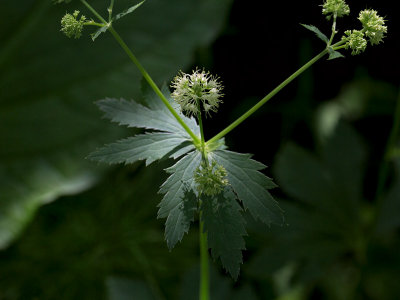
197	88
71	26
373	26
338	8
373	29
210	179
355	41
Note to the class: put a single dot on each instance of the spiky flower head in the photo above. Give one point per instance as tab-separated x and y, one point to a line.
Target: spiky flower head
335	7
355	41
373	25
210	179
196	90
71	26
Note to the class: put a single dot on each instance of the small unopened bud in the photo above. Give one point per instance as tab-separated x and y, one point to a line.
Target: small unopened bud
71	26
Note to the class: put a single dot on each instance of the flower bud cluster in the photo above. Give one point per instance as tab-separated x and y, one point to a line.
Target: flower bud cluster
210	179
355	41
71	26
373	25
195	90
335	7
373	29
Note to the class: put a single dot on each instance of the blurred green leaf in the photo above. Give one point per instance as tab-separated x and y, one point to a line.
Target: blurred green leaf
127	289
48	84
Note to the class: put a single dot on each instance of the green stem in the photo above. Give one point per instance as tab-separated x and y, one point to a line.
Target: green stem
333	29
266	98
144	72
110	9
152	84
93	11
384	168
204	291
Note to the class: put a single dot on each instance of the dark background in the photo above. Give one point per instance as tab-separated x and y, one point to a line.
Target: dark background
71	229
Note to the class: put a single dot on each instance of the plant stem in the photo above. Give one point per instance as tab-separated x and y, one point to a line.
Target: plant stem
142	70
204	291
266	98
110	9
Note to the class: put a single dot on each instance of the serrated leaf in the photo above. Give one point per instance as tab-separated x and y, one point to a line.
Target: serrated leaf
149	147
156	116
317	32
47	119
127	11
334	54
98	32
225	229
175	188
250	185
179	218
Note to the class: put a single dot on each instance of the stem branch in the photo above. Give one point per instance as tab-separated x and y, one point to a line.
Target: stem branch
266	98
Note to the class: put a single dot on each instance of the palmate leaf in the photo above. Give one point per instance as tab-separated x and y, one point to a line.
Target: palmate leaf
149	147
250	185
225	229
155	116
176	188
172	141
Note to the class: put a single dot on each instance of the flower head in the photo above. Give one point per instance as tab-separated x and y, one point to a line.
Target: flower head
335	7
196	90
210	179
355	40
373	25
71	26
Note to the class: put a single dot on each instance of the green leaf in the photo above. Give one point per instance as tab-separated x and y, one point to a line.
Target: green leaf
98	32
225	229
156	116
317	32
176	188
334	54
149	147
127	289
180	217
127	11
47	117
250	185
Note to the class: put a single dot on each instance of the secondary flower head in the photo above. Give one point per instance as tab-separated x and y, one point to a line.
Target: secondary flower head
196	90
373	25
355	41
210	179
71	26
335	7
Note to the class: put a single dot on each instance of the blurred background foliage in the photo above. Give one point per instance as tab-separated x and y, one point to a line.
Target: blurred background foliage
325	137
